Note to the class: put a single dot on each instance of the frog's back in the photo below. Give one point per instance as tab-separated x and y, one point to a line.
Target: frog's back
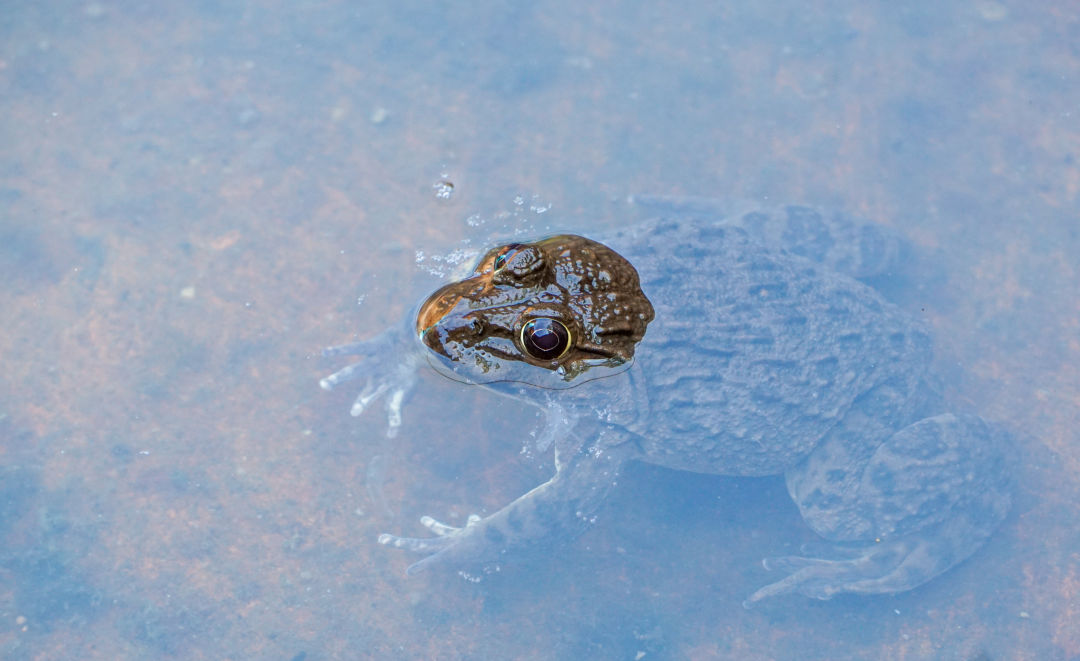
754	353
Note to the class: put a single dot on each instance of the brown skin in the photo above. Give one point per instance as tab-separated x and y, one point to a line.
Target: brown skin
585	298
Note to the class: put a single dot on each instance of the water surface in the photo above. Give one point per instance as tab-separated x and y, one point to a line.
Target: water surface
195	200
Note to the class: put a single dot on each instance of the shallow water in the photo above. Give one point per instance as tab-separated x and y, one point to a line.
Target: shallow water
194	201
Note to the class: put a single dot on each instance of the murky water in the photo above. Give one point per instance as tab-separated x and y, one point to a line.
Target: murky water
194	201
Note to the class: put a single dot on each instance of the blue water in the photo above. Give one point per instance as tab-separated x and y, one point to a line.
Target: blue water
195	200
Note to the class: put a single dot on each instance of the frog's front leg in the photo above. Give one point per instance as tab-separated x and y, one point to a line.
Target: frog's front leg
561	507
387	369
919	503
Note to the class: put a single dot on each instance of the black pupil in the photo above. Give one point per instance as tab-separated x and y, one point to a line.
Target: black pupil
545	339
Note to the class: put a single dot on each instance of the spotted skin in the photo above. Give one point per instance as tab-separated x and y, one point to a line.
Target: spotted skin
743	344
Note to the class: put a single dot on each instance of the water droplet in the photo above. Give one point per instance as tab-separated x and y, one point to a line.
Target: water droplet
444	188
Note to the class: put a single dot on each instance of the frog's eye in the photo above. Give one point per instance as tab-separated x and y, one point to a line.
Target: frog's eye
544	338
506	254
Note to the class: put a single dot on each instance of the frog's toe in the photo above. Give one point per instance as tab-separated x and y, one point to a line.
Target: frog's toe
393	387
413	544
794	563
347	373
386	369
393	409
436	547
813	577
449	541
444	530
444	536
369	393
886	567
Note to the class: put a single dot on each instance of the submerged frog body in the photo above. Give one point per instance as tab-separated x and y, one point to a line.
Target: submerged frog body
737	346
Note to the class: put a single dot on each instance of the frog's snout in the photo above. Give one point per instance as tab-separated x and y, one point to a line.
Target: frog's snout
436	308
445	318
463	330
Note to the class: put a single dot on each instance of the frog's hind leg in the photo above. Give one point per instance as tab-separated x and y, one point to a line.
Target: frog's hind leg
919	503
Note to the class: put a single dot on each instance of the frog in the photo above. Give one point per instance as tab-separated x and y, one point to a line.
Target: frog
735	343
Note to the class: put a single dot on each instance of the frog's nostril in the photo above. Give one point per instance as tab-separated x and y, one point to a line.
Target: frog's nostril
469	326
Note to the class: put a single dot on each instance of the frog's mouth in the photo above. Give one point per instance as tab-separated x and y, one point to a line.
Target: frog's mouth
482	369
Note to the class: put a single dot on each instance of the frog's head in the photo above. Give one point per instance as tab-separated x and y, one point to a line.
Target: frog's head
553	313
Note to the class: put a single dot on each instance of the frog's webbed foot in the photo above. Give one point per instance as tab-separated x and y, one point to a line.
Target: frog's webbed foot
884	567
387	370
560	507
927	498
449	546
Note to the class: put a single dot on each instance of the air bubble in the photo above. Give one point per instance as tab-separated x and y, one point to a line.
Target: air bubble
444	188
